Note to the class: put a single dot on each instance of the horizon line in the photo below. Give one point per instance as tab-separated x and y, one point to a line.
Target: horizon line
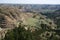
29	3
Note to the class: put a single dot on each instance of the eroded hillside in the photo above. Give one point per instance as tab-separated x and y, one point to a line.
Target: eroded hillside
10	17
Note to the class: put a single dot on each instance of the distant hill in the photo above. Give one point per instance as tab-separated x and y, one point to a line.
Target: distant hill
35	7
